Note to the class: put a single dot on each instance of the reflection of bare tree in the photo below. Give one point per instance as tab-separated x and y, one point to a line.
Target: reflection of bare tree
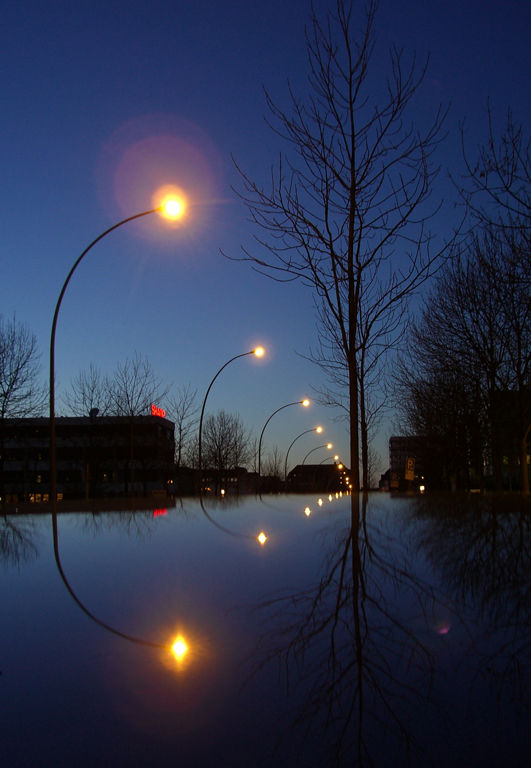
133	524
17	541
480	547
349	644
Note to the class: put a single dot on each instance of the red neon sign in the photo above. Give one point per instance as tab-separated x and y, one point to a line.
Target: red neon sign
156	411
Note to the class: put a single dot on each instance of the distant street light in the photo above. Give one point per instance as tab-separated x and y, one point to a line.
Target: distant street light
329	446
259	351
316	429
305	403
336	458
171	207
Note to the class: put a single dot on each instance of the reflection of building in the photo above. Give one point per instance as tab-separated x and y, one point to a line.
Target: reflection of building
101	456
318	477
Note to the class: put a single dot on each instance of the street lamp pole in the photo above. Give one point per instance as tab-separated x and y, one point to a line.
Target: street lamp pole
329	445
315	429
305	403
258	352
172	209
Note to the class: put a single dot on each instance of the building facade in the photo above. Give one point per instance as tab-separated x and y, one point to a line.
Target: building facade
96	457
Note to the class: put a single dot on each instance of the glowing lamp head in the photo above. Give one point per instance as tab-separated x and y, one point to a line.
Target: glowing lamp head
306	403
336	458
173	208
319	429
262	538
307	511
259	351
179	648
329	446
170	202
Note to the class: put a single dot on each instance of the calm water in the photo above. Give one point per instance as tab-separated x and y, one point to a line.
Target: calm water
398	632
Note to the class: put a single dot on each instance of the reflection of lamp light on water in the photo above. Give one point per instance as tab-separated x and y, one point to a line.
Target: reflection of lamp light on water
179	648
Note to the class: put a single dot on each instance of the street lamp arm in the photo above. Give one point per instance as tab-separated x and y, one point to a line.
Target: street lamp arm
297	402
52	462
243	354
289	449
314	449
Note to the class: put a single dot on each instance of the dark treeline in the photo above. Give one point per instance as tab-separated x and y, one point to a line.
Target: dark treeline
464	382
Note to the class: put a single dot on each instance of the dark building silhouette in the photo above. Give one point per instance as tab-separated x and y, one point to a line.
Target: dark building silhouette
96	457
307	478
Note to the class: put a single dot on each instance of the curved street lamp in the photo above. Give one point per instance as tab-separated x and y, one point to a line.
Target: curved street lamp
329	446
336	458
108	627
172	208
259	351
315	429
305	403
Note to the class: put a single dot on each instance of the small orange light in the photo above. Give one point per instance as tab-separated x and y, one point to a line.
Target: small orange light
262	538
306	403
259	351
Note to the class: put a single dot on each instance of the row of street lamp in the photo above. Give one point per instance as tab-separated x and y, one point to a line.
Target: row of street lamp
172	207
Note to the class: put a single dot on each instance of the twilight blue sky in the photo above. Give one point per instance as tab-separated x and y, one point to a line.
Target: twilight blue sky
100	102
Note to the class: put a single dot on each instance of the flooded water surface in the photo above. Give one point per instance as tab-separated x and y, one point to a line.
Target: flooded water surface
388	632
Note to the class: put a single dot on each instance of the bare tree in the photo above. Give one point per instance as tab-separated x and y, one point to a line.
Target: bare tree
346	211
89	391
182	410
132	390
467	376
227	444
497	186
274	463
21	392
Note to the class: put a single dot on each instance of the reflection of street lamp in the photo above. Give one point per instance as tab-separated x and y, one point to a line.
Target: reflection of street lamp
258	352
137	640
316	429
172	207
329	446
305	403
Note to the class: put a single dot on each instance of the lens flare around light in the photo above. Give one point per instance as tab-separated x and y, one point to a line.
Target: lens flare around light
262	538
319	429
259	351
306	403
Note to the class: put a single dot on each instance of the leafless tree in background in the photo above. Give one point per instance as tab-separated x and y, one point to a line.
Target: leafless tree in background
346	211
89	391
227	443
21	392
132	390
182	410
